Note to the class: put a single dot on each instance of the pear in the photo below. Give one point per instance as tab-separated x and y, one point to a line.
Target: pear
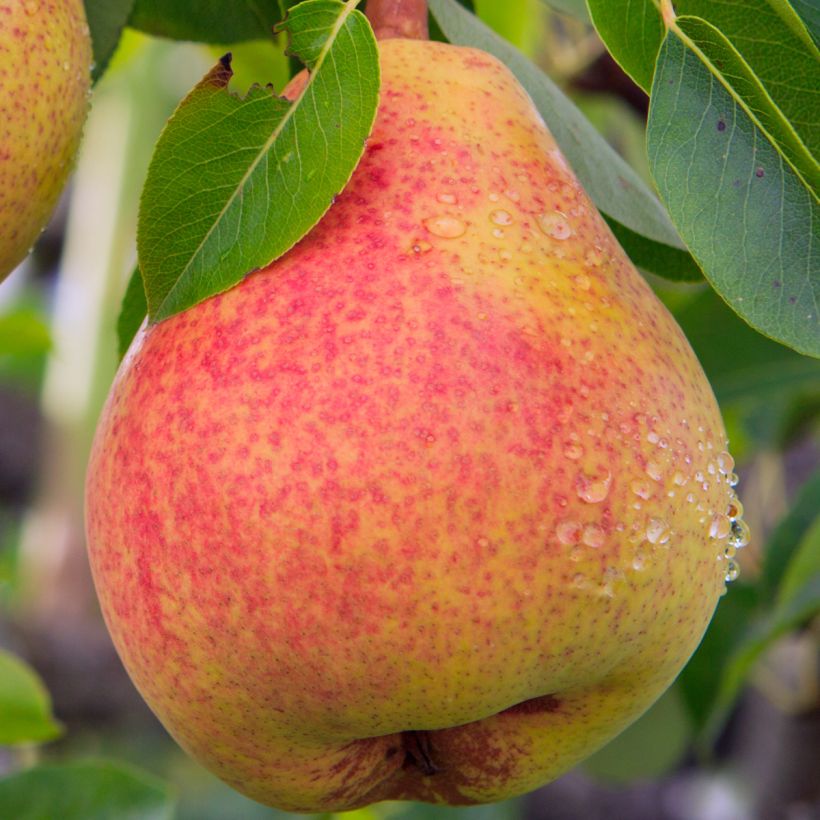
45	58
434	505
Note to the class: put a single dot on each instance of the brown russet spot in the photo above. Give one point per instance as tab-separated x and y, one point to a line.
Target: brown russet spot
534	706
220	75
418	753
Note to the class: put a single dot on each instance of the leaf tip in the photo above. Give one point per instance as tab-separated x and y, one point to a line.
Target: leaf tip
220	75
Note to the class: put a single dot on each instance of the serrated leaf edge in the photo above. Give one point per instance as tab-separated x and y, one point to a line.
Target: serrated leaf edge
217	74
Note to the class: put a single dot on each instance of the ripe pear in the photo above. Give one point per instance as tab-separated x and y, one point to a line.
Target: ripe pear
434	505
45	59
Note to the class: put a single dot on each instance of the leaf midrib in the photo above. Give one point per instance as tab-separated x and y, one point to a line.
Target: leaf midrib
750	112
349	8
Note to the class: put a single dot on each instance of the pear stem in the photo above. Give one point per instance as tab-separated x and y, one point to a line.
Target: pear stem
398	18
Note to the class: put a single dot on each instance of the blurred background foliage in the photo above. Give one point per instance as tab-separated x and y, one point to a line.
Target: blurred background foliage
735	737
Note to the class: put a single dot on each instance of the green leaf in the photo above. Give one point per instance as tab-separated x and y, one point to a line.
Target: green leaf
751	618
632	31
260	169
743	366
23	332
768	34
25	706
132	312
611	183
662	260
207	21
787	536
701	678
804	565
106	19
780	58
294	64
85	790
726	63
573	8
801	606
745	215
620	125
649	748
809	12
435	32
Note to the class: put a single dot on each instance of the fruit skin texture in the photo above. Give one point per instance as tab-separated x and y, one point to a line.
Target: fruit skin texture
45	59
404	515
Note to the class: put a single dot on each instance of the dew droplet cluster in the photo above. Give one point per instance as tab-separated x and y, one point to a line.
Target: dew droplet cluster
697	477
728	527
675	483
724	525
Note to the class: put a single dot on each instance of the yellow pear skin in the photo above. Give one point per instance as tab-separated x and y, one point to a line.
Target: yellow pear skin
45	60
433	506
